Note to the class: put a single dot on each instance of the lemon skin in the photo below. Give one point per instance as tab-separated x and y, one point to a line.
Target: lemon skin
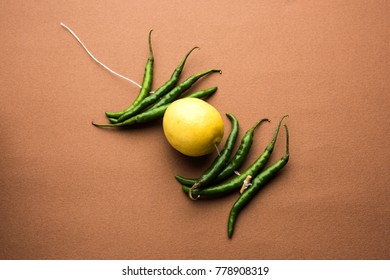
193	127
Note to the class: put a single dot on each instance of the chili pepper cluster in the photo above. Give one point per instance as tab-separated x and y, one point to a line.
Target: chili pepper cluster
148	107
218	180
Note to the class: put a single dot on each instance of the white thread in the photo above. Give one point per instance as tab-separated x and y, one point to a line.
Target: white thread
235	171
216	147
96	60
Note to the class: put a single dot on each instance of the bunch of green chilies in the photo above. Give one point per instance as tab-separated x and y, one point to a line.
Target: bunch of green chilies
149	106
217	180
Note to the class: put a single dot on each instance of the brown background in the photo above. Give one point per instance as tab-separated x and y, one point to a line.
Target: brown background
69	190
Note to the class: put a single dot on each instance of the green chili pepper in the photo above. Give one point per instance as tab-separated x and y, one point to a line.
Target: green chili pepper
161	91
113	120
220	161
241	154
234	184
151	115
234	163
257	184
148	78
181	88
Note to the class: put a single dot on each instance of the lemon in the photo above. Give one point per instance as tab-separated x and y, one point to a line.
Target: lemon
193	126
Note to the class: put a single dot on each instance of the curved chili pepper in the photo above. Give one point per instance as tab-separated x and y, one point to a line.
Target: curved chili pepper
151	115
148	75
234	184
161	91
257	184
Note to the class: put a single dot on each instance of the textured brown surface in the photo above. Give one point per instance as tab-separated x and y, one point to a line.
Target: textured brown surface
69	190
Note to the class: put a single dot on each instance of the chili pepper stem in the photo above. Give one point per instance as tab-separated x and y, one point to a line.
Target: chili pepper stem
259	122
196	185
150	45
105	124
246	183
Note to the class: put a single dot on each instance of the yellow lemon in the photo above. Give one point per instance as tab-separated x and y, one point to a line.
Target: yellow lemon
193	126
